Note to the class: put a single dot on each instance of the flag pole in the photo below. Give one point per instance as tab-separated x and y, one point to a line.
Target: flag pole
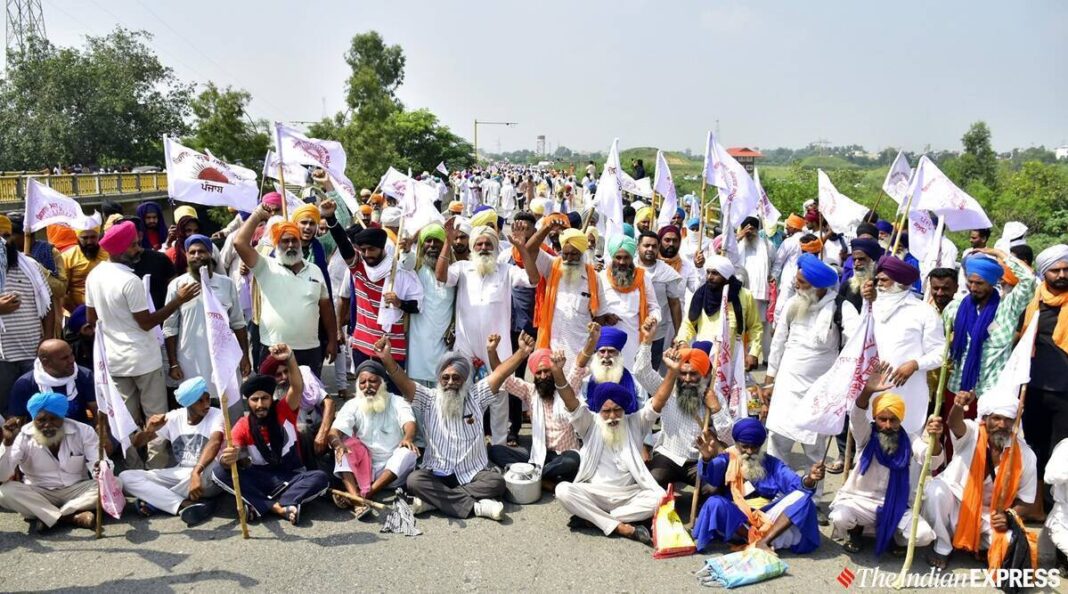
701	210
101	436
901	225
925	471
241	515
705	424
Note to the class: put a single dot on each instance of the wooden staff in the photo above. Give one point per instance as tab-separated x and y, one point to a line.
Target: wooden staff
358	499
285	215
233	467
101	436
701	210
925	470
875	209
396	256
901	225
706	422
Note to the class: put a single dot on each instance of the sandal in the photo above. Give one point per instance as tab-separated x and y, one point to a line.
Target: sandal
937	560
144	508
836	467
512	441
293	514
359	511
342	502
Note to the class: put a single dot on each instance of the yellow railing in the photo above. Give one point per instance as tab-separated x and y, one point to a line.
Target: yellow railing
89	185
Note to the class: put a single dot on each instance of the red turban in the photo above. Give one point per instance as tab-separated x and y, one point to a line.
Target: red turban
538	358
697	358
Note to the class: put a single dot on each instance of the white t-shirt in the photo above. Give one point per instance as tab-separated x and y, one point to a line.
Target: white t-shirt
116	293
188	441
667	284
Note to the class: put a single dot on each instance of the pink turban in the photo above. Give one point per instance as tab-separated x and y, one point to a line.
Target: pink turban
119	238
538	358
272	199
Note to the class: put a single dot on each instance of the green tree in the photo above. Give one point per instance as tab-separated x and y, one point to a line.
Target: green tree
108	103
223	126
978	162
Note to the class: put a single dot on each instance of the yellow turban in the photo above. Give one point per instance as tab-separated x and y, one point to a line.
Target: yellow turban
644	213
575	238
486	217
891	402
307	211
185	211
111	220
537	206
5	224
456	207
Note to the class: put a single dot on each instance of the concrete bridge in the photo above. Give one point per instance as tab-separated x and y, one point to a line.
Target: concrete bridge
88	188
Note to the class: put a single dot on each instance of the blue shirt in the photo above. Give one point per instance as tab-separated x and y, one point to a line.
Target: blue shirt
25	387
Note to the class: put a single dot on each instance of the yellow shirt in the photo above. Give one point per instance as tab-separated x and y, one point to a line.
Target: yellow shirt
78	268
707	327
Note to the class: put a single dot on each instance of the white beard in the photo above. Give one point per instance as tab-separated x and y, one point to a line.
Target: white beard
48	442
603	374
290	257
893	289
802	305
999	440
570	272
485	264
451	402
861	276
887	441
753	467
373	405
613	437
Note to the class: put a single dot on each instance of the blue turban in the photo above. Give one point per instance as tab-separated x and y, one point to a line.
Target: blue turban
987	268
198	238
749	431
77	319
628	230
620	242
612	338
704	345
601	393
190	391
884	226
816	272
480	208
49	402
679	212
868	246
693	223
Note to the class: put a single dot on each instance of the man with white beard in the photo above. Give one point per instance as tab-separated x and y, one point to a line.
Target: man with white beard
628	290
875	496
53	455
613	487
909	335
483	306
455	476
373	438
757	255
760	501
806	344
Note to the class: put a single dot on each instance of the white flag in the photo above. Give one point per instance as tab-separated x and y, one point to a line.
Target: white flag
932	190
223	348
292	202
841	213
923	234
45	206
765	208
296	148
833	394
415	198
896	184
609	196
1017	371
200	178
665	186
737	192
108	399
274	168
441	168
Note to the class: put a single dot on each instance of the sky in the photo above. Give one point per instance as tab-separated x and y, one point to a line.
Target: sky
902	74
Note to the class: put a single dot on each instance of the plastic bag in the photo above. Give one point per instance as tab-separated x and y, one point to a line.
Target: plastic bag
670	537
111	497
745	567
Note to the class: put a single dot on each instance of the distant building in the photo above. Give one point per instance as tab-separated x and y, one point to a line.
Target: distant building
1061	152
540	148
746	156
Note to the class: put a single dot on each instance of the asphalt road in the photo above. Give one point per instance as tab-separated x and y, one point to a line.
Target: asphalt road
532	550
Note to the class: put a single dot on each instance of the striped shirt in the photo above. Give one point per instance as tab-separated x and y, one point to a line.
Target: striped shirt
559	434
454	445
366	331
998	346
22	327
678	431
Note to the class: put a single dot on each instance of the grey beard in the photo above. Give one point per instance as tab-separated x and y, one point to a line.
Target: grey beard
571	272
613	436
860	276
376	403
888	442
999	440
688	398
624	277
48	442
803	305
486	264
753	467
451	402
290	257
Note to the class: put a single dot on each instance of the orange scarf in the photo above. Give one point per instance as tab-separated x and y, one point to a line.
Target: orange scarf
759	522
1060	331
675	262
545	301
639	284
1006	483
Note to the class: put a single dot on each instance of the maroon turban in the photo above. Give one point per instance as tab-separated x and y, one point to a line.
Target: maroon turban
898	270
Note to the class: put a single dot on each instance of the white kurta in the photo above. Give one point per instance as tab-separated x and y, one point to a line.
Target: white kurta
572	313
1057	477
757	256
626	306
484	306
802	350
908	329
426	329
380	432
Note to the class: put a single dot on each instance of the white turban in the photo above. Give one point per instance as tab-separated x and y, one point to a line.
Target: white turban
483	231
391	216
1003	399
721	265
463	226
1050	256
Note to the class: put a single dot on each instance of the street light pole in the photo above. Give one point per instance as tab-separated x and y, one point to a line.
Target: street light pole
488	124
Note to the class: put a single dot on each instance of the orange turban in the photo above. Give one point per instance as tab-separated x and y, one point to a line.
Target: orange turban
697	358
812	247
795	222
62	236
365	209
284	228
377	199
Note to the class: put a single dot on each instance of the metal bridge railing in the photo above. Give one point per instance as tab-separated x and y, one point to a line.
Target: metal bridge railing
86	185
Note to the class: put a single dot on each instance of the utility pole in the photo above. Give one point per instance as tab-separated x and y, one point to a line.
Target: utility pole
25	21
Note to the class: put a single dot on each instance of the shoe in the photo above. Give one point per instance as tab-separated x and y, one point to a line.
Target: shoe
641	534
421	507
490	509
821	518
195	513
577	523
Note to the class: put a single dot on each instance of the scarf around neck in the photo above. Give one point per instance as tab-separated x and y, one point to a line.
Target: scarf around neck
1044	295
44	380
970	330
1006	483
889	514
